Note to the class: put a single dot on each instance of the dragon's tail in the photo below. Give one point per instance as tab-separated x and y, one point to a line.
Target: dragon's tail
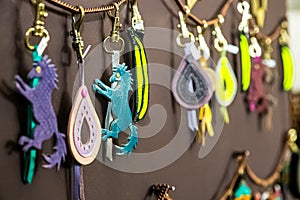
132	141
59	154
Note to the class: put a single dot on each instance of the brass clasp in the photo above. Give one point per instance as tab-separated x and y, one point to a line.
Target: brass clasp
38	28
115	18
136	20
284	35
220	41
114	37
185	33
244	9
292	138
77	43
162	191
203	48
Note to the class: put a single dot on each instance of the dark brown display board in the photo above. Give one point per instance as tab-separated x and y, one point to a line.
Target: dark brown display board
194	178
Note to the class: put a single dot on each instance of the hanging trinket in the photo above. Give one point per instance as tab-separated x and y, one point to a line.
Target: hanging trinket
205	113
286	57
29	157
269	79
118	116
191	86
256	96
84	152
136	59
42	122
226	87
161	191
259	8
243	192
244	8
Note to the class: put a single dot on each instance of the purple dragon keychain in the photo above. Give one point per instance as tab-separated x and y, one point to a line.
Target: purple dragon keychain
44	115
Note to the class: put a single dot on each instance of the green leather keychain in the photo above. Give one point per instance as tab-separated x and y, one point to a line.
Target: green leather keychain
137	60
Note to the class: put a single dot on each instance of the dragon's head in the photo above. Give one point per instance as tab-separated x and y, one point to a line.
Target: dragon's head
44	69
118	72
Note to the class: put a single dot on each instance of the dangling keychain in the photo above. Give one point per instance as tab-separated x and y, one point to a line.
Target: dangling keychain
286	57
243	192
256	97
42	122
136	59
161	191
205	113
269	79
226	87
84	151
118	116
83	110
244	8
191	86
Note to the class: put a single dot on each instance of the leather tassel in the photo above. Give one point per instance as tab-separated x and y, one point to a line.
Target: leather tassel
245	62
288	68
30	155
138	59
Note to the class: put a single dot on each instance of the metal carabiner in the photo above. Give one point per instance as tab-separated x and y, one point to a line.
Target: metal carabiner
77	43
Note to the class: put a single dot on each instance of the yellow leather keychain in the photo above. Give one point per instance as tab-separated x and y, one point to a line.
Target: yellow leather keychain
226	87
205	114
286	57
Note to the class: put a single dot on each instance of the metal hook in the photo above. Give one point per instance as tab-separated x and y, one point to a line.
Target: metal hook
184	30
244	9
38	28
185	33
77	24
202	43
115	18
137	22
162	191
284	35
77	43
114	37
220	41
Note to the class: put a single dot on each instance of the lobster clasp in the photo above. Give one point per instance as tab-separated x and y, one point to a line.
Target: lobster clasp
220	41
115	18
77	43
284	36
185	33
136	20
41	14
114	37
244	9
292	138
161	191
203	48
38	28
182	25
